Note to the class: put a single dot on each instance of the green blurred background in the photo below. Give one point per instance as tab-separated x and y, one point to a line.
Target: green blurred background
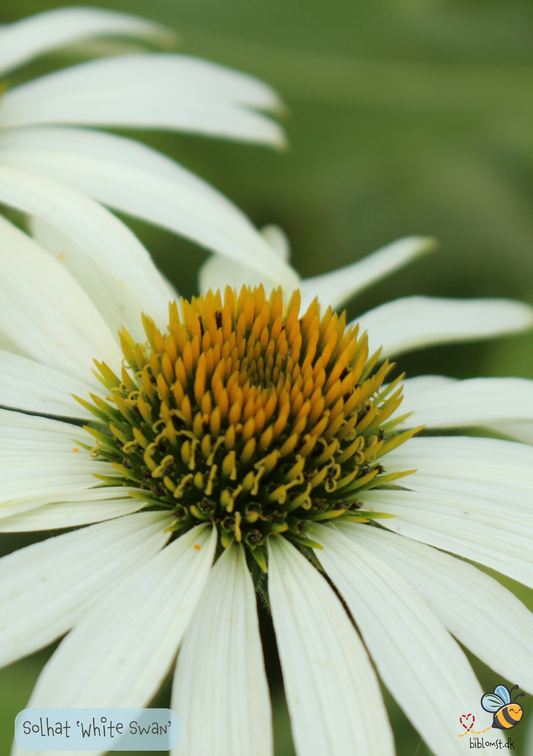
404	117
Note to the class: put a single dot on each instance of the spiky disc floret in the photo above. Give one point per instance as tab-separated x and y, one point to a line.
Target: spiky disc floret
247	416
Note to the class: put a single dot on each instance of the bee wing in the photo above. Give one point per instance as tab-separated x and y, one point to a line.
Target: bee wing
492	702
503	692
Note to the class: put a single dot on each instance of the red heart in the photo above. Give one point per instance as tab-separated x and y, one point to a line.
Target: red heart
469	724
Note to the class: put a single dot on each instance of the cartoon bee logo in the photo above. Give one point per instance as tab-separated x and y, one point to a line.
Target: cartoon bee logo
507	713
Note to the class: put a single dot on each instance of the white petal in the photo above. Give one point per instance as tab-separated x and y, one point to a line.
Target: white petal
478	401
132	634
332	692
45	588
482	614
19	432
7	345
218	272
338	286
46	312
422	384
114	302
278	240
33	387
220	688
84	510
24	40
166	91
41	461
417	659
470	496
132	178
497	535
456	463
95	229
416	322
183	76
470	470
85	505
418	390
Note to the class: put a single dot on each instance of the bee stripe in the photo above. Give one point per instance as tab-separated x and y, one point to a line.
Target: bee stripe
507	718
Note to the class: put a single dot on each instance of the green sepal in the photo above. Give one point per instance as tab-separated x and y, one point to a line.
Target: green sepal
395	421
370	365
357	485
92	409
355	518
327	515
365	516
178	525
108	441
80	443
126	472
106	376
109	480
259	556
382	480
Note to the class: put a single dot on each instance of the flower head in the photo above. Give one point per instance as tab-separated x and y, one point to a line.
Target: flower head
247	416
240	434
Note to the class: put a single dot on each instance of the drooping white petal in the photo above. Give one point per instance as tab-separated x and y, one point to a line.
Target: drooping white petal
333	288
41	461
470	496
415	322
340	285
32	387
83	509
110	148
133	178
278	240
421	385
418	390
332	691
465	465
478	401
492	533
417	659
166	91
497	472
114	302
24	40
132	634
46	312
220	688
93	228
182	76
7	345
218	272
31	513
45	588
482	614
19	431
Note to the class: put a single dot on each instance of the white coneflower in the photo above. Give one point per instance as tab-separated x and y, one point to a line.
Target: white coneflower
44	154
265	451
